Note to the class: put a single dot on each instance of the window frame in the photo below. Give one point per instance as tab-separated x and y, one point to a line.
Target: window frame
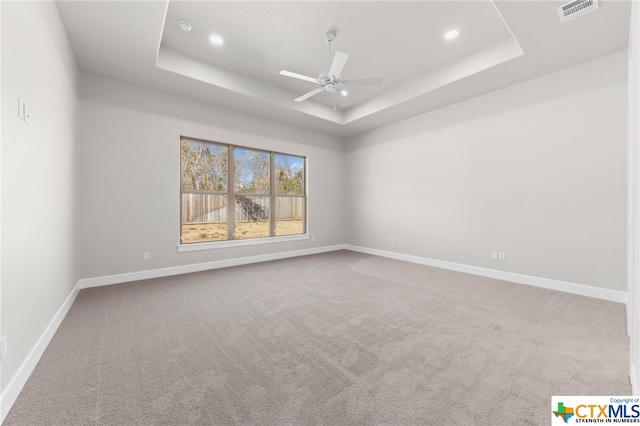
230	193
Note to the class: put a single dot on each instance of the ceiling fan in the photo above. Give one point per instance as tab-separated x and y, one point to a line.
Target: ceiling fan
331	81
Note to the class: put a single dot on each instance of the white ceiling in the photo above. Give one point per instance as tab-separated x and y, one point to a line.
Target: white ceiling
500	43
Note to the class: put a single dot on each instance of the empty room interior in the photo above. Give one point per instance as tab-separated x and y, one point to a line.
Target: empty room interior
310	213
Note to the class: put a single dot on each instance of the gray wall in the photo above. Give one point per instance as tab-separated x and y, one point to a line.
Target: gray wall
39	164
130	171
537	170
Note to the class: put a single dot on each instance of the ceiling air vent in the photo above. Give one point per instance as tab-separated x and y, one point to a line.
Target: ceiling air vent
576	8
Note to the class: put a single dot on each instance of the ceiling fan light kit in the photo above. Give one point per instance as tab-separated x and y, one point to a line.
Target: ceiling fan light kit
331	81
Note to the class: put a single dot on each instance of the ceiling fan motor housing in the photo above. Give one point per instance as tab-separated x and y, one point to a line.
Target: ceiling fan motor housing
328	83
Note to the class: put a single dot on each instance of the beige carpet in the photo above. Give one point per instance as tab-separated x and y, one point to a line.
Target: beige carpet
335	339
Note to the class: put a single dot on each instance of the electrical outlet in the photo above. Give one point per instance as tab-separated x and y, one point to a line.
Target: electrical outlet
494	255
502	256
313	238
392	241
146	255
3	347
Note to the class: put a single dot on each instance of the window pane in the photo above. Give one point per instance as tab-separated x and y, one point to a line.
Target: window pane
289	215
252	217
252	171
204	166
204	218
289	171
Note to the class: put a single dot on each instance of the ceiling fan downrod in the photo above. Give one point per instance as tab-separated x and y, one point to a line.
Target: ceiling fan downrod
329	38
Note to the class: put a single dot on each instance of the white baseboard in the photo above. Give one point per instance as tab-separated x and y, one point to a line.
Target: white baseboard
13	389
583	290
567	287
186	269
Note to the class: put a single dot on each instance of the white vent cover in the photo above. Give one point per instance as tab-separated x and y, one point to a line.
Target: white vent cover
576	9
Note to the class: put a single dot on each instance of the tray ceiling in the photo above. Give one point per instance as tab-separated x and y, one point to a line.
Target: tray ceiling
499	44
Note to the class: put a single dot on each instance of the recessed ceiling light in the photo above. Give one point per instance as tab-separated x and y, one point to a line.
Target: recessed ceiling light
344	93
450	35
185	26
216	39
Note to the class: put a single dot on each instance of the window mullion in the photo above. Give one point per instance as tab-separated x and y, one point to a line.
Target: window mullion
231	202
305	199
272	194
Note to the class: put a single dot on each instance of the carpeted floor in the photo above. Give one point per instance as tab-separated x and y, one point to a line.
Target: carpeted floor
335	339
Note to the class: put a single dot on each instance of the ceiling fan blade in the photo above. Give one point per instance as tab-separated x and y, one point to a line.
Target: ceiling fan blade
342	100
309	94
300	76
363	82
339	61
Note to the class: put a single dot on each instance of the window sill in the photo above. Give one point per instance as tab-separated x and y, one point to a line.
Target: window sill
240	243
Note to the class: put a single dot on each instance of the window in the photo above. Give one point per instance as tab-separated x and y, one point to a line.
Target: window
230	192
290	200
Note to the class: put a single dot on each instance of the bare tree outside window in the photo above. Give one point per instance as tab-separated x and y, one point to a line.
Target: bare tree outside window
204	166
